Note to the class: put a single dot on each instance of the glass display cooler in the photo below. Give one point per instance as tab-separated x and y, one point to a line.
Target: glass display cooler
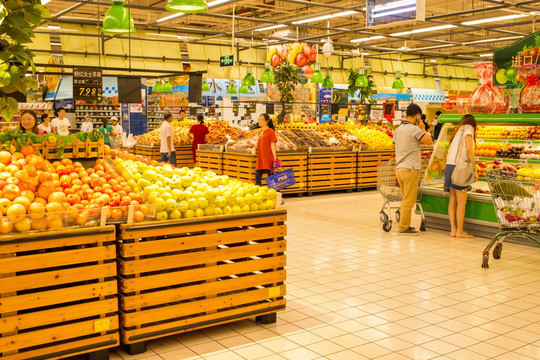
507	141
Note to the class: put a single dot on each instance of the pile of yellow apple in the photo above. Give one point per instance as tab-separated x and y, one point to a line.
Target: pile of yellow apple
373	138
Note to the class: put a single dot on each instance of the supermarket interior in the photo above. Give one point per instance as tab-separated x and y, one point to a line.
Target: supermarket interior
223	179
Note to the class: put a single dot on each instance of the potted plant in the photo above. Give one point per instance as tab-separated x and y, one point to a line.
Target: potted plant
365	91
287	78
17	19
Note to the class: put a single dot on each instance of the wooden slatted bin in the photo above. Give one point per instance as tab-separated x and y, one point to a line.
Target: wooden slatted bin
367	167
210	160
299	163
185	275
184	156
331	171
240	166
58	294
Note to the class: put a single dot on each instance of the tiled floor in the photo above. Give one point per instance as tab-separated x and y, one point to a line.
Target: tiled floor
356	292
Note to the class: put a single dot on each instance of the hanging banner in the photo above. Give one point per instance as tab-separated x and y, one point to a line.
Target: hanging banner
302	55
514	62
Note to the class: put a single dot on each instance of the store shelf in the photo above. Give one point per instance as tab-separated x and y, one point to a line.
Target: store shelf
510	161
510	141
82	110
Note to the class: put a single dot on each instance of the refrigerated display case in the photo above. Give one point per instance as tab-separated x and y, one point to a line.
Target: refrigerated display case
507	141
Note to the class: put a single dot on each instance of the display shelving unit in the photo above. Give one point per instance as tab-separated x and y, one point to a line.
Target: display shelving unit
98	112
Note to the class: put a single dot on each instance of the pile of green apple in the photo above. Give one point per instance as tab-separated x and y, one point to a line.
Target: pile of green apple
188	193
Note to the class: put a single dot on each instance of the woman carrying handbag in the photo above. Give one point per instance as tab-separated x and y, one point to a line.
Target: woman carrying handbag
460	173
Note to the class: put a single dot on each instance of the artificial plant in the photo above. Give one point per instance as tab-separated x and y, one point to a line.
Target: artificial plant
365	92
17	19
287	78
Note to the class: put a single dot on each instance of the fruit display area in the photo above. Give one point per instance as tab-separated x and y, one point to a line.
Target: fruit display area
507	142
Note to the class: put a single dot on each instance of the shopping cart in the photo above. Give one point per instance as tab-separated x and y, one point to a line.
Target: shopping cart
517	205
388	186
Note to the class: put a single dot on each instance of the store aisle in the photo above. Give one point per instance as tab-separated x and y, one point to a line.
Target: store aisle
355	292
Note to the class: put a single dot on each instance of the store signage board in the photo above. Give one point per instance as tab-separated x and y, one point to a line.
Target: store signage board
385	12
87	83
513	61
226	61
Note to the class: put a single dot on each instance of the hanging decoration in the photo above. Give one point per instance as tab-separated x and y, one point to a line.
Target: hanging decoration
398	84
187	6
117	19
328	83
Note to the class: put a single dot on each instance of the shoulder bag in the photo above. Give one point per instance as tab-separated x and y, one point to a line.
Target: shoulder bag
464	173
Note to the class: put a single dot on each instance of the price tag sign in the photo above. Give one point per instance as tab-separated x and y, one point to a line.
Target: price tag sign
528	143
523	162
504	141
87	83
499	160
480	141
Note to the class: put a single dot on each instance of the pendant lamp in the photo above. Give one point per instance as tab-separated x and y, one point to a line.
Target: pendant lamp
249	80
205	86
398	84
317	75
117	19
167	87
157	87
327	83
187	6
243	89
232	89
361	80
267	75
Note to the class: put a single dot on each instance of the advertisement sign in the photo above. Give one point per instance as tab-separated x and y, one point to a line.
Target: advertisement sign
514	62
305	97
302	55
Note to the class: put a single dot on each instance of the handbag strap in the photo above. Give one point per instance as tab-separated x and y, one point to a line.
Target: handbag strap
458	155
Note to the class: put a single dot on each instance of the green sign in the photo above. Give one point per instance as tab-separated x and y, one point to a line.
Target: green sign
513	59
227	60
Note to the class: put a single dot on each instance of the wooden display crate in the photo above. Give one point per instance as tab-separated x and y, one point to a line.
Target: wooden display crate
331	171
58	294
367	167
75	150
184	155
210	160
299	163
177	276
240	166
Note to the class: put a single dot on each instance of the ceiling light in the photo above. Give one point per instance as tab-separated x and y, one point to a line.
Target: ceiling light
54	27
493	40
393	5
271	27
433	60
56	44
324	17
187	6
44	2
486	55
217	2
158	34
118	20
394	12
499	18
170	17
428	29
368	38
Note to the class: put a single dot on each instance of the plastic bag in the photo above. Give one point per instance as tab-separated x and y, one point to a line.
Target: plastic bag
486	98
529	97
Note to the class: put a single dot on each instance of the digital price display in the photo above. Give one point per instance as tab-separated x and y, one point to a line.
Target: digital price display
388	110
87	83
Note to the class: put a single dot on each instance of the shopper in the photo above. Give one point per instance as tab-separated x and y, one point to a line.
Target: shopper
87	125
106	130
181	115
423	119
45	126
437	126
200	132
28	122
60	124
266	148
116	134
461	149
407	139
168	152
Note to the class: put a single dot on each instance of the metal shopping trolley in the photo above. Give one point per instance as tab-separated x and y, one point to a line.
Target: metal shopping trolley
516	199
388	186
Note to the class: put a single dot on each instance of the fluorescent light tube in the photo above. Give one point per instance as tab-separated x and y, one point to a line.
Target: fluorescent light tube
170	17
493	40
272	27
394	12
393	5
44	2
433	60
217	2
368	39
486	55
428	29
499	18
324	17
56	44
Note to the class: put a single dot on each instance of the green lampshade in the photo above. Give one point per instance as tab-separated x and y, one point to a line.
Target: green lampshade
205	86
232	89
244	89
328	83
167	87
317	77
398	84
268	77
118	20
361	80
157	87
187	6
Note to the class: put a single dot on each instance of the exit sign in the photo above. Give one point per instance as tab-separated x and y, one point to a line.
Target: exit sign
227	60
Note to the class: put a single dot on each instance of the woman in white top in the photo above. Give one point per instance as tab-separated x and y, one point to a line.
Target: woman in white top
464	137
45	126
87	125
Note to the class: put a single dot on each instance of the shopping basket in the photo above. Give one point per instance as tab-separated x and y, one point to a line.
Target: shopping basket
388	186
516	199
281	179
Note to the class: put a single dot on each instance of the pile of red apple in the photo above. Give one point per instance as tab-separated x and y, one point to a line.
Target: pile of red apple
39	195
